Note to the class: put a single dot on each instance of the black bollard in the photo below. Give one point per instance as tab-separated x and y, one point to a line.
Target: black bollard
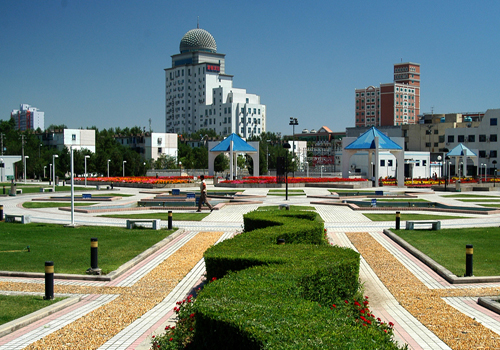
469	253
93	254
398	220
169	219
3	189
49	280
1	212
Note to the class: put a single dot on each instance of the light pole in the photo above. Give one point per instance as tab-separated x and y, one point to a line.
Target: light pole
25	168
54	156
108	166
87	156
2	165
448	159
44	167
180	168
267	155
124	167
50	173
286	146
293	122
494	173
484	172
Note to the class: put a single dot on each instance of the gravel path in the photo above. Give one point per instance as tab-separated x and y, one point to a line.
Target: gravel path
453	327
100	325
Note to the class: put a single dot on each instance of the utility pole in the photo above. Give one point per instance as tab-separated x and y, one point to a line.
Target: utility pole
22	144
1	138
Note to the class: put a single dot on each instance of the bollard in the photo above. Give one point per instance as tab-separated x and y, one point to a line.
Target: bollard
93	254
169	219
49	280
398	220
3	189
1	212
469	253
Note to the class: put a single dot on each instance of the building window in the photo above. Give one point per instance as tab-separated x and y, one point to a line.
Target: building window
461	138
493	121
472	138
389	162
493	138
482	154
382	162
482	138
493	154
159	150
73	137
451	138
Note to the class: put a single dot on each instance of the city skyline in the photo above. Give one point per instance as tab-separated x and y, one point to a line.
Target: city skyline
87	63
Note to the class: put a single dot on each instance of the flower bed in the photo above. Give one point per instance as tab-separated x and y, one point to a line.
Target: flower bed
291	180
160	180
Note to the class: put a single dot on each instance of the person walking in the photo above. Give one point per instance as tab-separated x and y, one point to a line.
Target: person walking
203	195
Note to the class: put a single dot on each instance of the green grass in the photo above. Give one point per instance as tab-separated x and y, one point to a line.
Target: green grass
447	247
405	217
37	205
162	216
36	188
491	205
468	196
15	306
405	200
69	247
479	200
283	191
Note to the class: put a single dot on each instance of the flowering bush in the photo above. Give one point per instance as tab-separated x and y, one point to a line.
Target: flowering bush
180	335
142	179
273	180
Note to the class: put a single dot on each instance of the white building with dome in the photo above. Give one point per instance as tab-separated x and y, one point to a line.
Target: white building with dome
200	95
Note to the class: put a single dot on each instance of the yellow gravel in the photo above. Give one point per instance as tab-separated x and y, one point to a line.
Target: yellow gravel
457	330
94	329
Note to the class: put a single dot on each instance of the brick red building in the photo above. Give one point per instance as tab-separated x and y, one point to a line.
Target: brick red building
395	103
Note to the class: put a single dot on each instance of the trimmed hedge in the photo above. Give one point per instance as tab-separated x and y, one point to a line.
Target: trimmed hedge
270	296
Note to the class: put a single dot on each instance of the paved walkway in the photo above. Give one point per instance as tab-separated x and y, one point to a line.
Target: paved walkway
338	221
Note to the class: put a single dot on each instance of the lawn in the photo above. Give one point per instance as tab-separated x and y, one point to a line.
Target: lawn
15	306
403	200
37	205
482	199
447	247
69	247
162	216
36	188
283	193
468	196
405	217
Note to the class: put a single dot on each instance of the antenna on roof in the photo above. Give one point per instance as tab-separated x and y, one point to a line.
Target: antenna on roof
198	23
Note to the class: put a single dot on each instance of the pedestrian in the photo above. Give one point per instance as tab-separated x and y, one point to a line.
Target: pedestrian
203	195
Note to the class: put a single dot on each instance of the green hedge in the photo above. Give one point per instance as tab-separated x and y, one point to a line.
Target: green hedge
270	296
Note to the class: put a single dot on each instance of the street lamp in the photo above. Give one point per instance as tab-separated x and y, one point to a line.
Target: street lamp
87	156
180	168
293	122
2	165
54	156
108	166
448	170
286	146
124	167
439	158
484	172
494	173
25	168
44	167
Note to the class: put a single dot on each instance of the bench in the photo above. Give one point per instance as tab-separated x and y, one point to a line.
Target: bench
86	195
436	225
156	223
25	219
284	206
43	189
190	195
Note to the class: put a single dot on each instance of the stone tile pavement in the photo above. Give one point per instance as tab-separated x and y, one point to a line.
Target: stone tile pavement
337	221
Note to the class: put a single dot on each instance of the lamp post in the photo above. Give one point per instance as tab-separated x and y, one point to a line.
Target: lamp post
86	157
293	122
25	168
44	167
180	168
484	172
2	165
109	160
494	173
439	158
448	170
124	167
50	173
286	146
267	155
54	156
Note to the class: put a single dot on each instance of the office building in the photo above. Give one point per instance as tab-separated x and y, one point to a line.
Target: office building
28	118
200	95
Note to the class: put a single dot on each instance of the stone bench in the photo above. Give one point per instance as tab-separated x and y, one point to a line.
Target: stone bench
48	189
436	225
156	223
25	219
284	206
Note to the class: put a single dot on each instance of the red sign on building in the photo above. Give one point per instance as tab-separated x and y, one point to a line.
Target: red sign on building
213	68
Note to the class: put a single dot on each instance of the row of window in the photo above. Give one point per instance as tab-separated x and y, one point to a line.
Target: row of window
472	138
367	94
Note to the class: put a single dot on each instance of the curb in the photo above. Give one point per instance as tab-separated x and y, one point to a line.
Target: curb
16	324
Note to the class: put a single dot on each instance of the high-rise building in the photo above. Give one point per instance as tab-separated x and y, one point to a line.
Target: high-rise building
28	118
395	103
200	95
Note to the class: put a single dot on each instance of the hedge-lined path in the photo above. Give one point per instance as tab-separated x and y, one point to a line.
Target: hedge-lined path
340	222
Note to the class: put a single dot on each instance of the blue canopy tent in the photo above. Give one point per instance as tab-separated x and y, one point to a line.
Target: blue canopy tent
233	144
373	141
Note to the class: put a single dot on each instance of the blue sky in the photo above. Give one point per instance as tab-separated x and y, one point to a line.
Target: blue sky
102	63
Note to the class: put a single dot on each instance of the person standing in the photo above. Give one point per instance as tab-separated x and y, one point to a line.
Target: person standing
203	195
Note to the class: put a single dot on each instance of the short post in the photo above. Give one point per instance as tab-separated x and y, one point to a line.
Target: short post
1	212
93	254
170	219
49	280
398	220
469	253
